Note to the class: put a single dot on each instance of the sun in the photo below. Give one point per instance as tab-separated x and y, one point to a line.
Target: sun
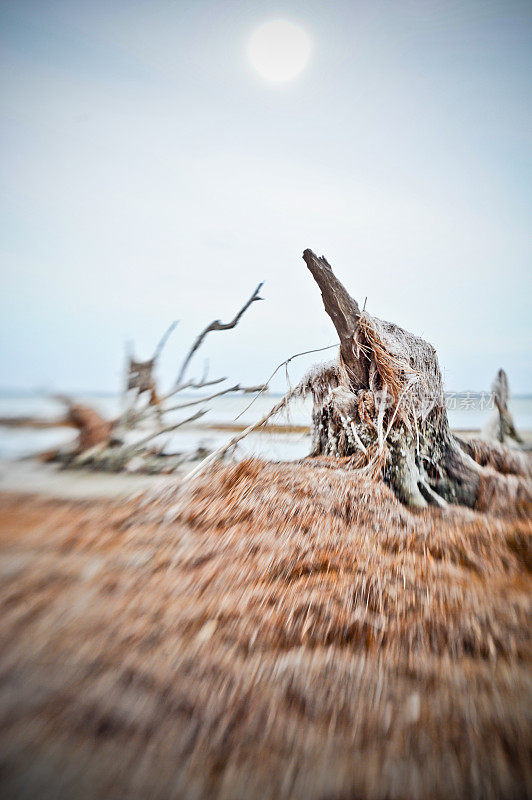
279	50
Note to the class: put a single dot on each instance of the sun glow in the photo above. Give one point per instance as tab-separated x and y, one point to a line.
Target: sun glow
279	50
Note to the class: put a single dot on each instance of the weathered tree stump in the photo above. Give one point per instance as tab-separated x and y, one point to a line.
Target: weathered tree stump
383	405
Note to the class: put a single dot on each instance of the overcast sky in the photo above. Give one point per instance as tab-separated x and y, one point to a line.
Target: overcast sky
150	173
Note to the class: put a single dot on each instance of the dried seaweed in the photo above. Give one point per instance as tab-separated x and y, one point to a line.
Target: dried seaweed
286	631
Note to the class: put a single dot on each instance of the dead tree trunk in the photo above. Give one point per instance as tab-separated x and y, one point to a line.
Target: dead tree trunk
383	404
501	427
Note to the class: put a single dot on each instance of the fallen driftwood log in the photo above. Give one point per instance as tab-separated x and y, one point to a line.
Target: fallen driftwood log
93	429
129	442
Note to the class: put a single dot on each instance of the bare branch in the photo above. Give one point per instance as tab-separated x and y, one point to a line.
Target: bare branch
191	385
203	399
200	384
237	388
216	326
164	339
260	387
205	371
142	414
166	429
264	387
221	451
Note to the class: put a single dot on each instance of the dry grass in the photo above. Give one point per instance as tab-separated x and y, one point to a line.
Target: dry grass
277	631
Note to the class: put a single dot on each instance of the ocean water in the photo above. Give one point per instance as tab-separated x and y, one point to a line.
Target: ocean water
467	411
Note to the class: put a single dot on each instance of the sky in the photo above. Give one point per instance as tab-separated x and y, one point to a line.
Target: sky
150	173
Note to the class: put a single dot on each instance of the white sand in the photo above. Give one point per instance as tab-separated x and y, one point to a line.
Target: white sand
32	477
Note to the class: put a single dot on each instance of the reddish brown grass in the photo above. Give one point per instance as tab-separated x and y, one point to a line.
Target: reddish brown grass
276	631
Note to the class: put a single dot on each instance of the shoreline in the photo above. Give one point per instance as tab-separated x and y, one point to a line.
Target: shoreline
29	475
38	423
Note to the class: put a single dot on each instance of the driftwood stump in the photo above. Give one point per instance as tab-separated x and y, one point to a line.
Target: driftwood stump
501	427
383	404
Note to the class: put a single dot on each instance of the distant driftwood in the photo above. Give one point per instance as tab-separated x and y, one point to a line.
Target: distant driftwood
501	426
130	442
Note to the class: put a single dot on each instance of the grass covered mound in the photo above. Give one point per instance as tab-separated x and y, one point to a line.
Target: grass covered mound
273	631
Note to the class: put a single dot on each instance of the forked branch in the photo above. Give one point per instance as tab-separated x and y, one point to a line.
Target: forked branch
163	340
217	325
